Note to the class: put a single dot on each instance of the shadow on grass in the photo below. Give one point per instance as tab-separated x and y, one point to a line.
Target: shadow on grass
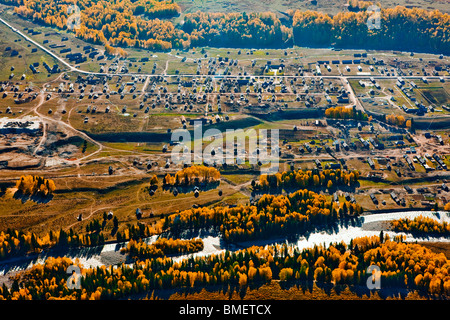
182	188
38	198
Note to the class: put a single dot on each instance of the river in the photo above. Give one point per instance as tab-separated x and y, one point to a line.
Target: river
365	225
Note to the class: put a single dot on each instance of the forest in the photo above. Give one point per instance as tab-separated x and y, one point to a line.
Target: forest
236	30
148	24
402	265
125	23
401	29
271	216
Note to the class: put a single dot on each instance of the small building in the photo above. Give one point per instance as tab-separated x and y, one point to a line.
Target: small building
408	189
371	163
374	199
335	166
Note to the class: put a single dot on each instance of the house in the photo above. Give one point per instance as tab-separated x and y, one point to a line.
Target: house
439	161
345	146
337	145
343	98
317	162
335	166
33	69
371	163
408	189
394	197
365	143
374	143
409	162
374	199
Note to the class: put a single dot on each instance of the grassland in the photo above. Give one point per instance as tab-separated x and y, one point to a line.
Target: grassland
90	191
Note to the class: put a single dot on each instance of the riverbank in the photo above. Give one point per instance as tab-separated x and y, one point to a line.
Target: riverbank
365	225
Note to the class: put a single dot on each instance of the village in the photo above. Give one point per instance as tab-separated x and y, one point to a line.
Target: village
224	150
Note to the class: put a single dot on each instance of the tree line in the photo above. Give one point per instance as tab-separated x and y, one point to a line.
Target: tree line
17	243
261	29
193	175
147	24
270	216
401	29
402	265
399	121
421	225
341	112
162	247
328	178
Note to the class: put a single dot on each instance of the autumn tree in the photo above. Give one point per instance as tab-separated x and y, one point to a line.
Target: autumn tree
154	180
35	185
